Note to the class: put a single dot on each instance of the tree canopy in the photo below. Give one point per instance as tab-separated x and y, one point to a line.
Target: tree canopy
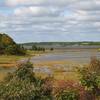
9	46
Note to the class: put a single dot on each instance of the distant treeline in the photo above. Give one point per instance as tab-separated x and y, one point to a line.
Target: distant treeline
62	43
35	48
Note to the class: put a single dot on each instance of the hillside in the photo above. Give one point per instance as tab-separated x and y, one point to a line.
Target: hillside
9	46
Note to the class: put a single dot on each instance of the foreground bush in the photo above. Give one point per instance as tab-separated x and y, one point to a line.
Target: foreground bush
90	78
23	85
67	95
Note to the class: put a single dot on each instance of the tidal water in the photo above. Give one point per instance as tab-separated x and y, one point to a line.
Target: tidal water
80	56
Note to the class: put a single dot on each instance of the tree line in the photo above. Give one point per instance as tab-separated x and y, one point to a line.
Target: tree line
37	48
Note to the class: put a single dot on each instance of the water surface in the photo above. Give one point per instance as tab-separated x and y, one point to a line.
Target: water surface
80	56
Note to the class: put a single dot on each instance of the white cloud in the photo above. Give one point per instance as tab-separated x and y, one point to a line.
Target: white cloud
35	11
97	24
26	11
48	18
22	2
39	2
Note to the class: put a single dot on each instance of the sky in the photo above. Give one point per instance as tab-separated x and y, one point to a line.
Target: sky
50	20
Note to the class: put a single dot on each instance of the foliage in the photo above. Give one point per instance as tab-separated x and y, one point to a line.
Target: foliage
9	47
66	90
5	40
90	77
23	85
35	48
67	95
14	50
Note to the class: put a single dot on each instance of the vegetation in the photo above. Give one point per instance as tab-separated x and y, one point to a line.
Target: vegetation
23	84
9	47
54	44
35	48
90	77
51	49
63	43
67	95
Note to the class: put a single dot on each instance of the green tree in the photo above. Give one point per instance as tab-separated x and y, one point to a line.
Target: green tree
14	50
34	47
8	46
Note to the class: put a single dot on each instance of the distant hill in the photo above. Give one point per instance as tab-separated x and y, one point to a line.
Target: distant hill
63	43
9	46
84	44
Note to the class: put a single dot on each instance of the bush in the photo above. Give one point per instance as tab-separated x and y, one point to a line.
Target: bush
67	95
66	90
90	77
23	85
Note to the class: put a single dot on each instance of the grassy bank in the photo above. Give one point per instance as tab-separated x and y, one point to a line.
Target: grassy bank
11	60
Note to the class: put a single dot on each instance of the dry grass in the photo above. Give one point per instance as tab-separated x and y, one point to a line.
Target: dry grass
2	75
59	74
66	76
9	61
51	63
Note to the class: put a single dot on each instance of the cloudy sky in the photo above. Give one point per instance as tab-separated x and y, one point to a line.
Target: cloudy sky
50	20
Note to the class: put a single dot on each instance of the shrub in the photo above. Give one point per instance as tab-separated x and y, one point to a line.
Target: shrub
23	85
90	77
67	95
66	90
